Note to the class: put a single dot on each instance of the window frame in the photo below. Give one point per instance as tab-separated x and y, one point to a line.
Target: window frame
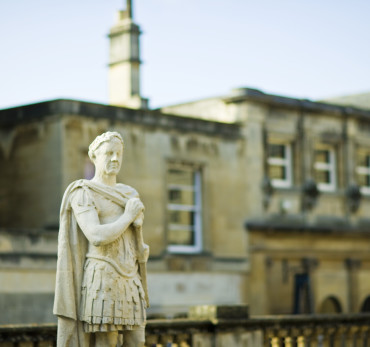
363	170
286	162
196	209
330	167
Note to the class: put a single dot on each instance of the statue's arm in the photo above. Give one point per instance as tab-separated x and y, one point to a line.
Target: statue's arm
102	234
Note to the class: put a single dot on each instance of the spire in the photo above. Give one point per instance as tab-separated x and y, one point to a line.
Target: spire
129	8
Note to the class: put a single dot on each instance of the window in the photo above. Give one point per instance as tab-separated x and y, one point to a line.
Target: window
363	170
280	164
325	167
184	210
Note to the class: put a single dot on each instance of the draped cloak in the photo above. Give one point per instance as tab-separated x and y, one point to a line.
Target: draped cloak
72	249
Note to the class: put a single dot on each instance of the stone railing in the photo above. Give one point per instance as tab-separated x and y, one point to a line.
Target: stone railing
275	331
28	335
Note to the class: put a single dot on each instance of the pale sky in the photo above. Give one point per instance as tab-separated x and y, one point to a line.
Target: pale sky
191	49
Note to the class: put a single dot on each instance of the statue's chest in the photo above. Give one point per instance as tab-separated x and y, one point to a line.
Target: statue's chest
108	211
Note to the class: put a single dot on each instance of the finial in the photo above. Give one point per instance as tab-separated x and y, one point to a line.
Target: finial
129	8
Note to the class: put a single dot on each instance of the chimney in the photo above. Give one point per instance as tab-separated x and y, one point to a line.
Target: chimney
124	62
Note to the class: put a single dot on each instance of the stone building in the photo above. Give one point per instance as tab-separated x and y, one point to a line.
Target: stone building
250	198
307	217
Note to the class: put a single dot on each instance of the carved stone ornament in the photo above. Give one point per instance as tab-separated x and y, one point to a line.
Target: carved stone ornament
101	291
354	196
310	194
267	190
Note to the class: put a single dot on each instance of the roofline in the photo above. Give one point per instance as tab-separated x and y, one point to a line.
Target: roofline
194	101
256	95
11	117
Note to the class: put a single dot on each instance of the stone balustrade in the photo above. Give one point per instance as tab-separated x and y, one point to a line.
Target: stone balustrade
271	331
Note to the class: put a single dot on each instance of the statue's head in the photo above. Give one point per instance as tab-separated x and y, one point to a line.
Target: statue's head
106	152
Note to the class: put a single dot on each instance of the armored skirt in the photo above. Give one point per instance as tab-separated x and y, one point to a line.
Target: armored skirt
109	300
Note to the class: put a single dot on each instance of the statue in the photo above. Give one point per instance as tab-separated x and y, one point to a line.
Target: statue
101	286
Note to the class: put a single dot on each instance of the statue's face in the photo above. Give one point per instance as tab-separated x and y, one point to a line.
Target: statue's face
108	157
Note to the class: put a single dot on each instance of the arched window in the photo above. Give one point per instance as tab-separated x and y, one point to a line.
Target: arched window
366	305
330	305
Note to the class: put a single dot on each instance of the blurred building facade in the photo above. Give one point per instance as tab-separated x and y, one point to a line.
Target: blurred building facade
307	216
250	198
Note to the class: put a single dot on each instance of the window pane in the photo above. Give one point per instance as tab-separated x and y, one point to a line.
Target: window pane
181	217
363	159
363	180
277	172
181	177
276	151
322	156
322	176
180	237
183	209
181	196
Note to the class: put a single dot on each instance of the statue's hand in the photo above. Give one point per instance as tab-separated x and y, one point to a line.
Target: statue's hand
134	207
138	222
143	253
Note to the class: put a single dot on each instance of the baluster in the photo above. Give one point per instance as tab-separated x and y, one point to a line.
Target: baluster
331	340
335	338
320	340
257	339
362	336
330	337
201	339
293	333
354	339
182	340
317	337
151	340
268	337
166	340
347	337
355	330
308	340
341	336
301	341
365	337
276	342
289	341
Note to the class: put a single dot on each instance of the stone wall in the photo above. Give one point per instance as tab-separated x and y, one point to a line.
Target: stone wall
27	275
336	271
30	178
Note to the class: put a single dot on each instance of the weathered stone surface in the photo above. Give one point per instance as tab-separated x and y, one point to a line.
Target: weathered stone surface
214	312
101	256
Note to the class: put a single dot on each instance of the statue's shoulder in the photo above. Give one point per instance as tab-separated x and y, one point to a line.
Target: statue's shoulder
127	190
76	191
76	188
81	183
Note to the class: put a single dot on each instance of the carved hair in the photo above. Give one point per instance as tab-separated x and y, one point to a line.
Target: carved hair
105	137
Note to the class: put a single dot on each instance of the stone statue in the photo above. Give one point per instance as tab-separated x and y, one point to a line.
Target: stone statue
101	286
